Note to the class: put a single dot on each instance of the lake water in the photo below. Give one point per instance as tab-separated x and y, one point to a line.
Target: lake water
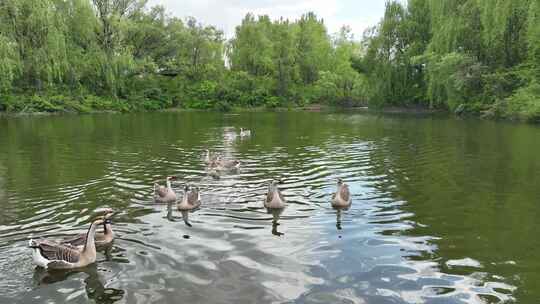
444	210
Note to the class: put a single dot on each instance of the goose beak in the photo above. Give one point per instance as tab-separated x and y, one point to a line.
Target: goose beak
99	221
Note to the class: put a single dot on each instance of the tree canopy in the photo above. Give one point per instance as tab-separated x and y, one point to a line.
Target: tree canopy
81	55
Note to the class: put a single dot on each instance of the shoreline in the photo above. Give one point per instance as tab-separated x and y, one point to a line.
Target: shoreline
309	108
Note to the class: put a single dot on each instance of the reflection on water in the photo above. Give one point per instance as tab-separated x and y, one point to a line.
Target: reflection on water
276	213
338	217
442	210
92	283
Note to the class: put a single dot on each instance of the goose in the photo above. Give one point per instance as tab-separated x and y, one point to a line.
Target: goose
274	198
226	164
209	158
165	194
206	157
342	197
244	133
101	238
191	199
52	255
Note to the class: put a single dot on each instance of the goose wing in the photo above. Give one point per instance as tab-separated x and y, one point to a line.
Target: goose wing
193	197
58	252
269	196
281	197
77	240
344	193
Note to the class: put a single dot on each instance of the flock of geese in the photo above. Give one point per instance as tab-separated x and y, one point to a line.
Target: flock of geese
80	250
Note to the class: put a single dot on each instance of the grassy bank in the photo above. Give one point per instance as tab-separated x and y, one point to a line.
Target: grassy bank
524	108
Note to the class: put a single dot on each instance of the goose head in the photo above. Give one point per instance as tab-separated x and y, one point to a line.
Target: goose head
272	185
170	178
107	214
339	181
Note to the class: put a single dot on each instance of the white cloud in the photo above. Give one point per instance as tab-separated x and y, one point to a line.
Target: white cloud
227	14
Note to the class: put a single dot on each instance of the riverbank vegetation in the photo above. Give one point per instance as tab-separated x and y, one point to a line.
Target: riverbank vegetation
480	56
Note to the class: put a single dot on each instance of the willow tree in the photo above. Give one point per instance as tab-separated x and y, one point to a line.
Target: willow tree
313	47
10	64
283	56
251	48
37	31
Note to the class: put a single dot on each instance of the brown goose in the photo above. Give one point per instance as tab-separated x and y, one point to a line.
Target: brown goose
342	197
226	164
274	198
101	238
165	194
48	254
191	199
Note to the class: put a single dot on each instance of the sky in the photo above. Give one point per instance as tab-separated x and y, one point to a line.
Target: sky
227	14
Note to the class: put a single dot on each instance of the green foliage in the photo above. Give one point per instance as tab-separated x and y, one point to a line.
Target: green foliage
467	54
297	62
453	79
119	55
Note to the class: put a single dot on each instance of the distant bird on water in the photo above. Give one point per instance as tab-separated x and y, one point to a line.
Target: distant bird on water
342	197
244	133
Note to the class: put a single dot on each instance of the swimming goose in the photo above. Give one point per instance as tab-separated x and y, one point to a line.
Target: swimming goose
48	254
342	197
209	158
191	199
226	164
244	133
274	198
101	238
165	194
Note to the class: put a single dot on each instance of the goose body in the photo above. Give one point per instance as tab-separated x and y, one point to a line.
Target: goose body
244	133
101	238
165	194
274	198
342	197
52	255
191	199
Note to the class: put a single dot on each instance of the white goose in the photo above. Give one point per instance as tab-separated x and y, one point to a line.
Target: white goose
244	133
52	255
